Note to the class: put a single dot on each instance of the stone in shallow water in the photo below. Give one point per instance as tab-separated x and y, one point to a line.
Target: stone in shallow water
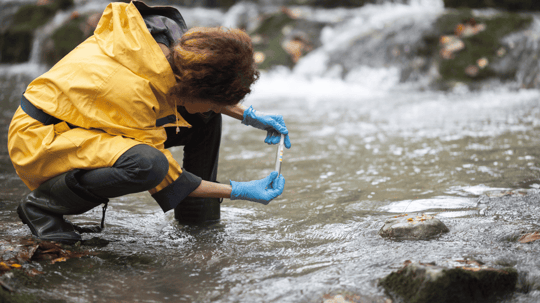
417	282
412	228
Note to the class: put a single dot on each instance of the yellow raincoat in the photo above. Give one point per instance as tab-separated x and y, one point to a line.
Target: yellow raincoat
113	88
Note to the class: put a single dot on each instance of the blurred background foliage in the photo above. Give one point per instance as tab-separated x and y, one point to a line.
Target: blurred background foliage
282	37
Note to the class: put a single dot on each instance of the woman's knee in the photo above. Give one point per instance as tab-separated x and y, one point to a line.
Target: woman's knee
145	165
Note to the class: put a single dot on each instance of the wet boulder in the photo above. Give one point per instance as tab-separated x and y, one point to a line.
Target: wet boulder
469	48
418	282
406	227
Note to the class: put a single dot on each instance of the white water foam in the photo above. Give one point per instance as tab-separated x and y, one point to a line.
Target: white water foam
436	203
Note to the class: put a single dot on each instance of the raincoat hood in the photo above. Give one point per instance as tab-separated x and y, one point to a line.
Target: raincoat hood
122	35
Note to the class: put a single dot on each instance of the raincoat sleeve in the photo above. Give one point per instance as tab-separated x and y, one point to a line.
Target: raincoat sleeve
176	186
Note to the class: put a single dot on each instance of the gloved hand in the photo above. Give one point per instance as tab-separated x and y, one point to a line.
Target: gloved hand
273	124
262	191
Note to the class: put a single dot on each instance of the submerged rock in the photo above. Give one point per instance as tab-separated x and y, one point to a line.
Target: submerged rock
412	228
417	282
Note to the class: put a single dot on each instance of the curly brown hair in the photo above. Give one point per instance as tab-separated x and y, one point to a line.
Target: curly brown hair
214	63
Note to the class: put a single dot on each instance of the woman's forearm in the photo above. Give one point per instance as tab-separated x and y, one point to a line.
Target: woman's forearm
234	111
212	190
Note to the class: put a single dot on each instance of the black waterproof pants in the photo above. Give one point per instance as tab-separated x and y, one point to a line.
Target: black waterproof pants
143	167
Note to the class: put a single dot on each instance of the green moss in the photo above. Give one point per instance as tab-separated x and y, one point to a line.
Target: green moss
19	282
483	45
65	39
15	47
30	16
16	41
271	31
15	297
512	5
401	284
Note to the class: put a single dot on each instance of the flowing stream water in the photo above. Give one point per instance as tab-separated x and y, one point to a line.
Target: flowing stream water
362	152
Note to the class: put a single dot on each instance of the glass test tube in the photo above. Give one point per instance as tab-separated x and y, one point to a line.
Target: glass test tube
279	156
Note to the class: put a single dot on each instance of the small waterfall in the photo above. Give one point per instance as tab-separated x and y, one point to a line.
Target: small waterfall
374	45
522	58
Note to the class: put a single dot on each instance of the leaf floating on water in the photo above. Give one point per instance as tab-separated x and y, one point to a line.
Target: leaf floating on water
61	259
529	237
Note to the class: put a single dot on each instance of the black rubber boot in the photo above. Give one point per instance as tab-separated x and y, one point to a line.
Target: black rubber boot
43	209
198	210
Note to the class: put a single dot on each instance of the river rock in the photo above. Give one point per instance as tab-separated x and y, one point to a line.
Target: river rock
417	282
412	228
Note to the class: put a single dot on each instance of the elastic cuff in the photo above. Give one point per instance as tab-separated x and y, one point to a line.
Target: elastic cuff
234	195
246	119
169	197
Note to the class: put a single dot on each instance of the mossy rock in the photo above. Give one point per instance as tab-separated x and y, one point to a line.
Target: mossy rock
15	46
277	28
16	280
270	30
485	44
64	39
16	41
15	297
417	282
511	5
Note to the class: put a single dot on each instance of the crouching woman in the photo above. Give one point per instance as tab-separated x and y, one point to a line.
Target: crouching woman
98	124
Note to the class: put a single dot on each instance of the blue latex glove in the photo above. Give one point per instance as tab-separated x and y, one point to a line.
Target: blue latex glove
273	124
262	191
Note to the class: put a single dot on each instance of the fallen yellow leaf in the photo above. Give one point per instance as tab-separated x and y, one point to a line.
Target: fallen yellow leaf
62	259
16	265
